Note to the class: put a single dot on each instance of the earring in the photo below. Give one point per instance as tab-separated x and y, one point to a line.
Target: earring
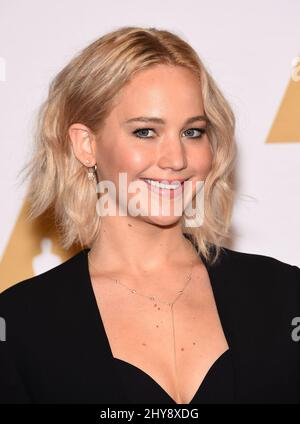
91	173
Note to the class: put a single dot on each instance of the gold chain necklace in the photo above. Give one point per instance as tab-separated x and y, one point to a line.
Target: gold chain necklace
154	299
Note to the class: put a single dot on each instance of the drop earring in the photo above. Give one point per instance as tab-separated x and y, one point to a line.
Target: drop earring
92	172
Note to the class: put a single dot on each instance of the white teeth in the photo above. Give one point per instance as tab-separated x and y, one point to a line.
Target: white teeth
161	185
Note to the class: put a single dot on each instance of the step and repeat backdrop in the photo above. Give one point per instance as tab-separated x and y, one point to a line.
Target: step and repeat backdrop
252	50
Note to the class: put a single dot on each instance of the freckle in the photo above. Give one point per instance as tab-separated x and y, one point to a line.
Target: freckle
158	308
155	304
129	225
144	344
182	348
157	326
194	343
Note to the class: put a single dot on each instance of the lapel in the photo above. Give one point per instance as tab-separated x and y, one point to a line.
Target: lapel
222	286
223	289
104	381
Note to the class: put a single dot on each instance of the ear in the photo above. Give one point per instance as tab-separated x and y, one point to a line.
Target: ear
83	144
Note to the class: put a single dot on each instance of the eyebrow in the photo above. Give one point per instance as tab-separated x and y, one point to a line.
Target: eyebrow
161	121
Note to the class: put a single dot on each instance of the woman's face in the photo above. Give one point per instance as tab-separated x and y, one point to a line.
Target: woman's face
168	148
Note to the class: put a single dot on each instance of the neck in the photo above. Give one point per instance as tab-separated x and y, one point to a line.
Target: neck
138	246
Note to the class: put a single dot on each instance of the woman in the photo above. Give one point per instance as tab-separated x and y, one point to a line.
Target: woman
152	309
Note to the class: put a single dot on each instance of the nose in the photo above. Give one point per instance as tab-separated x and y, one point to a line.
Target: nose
172	155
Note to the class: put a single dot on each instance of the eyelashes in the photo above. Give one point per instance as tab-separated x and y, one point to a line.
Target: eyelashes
136	133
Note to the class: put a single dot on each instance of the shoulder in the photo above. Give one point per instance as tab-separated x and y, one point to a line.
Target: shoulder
45	288
256	277
258	264
260	300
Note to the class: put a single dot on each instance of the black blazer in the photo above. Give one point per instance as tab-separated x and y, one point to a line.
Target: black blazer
56	349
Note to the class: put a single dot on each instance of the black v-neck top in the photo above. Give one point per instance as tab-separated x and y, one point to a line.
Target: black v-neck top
217	386
57	350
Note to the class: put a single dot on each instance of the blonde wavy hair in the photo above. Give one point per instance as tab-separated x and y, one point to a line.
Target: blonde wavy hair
84	92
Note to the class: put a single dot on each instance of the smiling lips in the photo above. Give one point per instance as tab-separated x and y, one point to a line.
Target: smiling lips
172	188
166	180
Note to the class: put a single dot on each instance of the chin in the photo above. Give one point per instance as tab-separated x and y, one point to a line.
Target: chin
161	220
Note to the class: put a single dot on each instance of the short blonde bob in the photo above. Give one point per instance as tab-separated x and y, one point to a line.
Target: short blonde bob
84	92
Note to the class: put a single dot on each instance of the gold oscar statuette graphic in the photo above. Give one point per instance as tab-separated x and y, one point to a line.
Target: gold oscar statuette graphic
286	125
32	244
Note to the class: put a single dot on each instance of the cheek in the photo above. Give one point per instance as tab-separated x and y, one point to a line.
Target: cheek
122	157
201	161
139	159
135	159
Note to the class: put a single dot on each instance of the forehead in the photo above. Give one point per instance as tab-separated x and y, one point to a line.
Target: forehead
161	89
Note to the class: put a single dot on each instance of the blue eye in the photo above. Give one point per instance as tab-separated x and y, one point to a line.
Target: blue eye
143	130
140	130
201	131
